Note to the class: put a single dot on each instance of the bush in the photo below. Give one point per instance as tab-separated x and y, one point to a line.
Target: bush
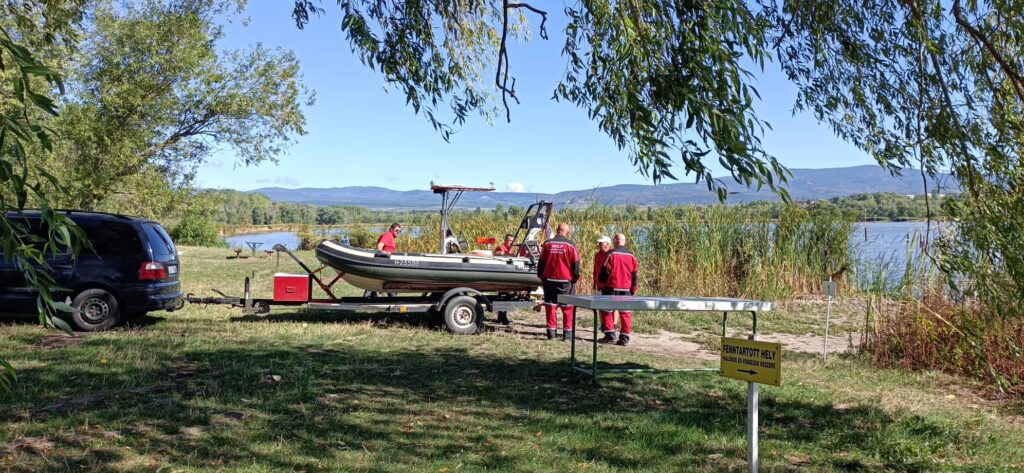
360	237
308	241
935	334
194	230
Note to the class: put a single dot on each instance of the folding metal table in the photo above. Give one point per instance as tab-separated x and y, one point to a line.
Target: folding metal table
654	303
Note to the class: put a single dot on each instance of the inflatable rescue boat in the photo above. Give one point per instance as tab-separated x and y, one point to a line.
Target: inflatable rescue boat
418	272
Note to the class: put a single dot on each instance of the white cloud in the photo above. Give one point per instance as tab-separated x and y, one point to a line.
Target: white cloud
215	163
515	187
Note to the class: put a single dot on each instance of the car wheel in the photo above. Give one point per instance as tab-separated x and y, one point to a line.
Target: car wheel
97	310
462	314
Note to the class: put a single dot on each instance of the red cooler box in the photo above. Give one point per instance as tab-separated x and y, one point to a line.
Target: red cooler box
291	287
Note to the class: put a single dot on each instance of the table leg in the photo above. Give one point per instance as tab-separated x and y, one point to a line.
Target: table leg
593	362
572	345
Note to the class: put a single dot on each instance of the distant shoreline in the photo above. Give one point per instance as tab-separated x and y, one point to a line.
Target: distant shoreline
297	227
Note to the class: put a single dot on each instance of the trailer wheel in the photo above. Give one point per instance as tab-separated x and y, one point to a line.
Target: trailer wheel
462	315
262	309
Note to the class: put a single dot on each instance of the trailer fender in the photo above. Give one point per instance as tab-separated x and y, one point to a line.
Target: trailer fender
464	291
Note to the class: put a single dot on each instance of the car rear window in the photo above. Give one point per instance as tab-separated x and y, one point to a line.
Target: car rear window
158	239
112	238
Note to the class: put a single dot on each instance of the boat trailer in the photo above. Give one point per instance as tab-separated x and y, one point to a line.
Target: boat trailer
461	308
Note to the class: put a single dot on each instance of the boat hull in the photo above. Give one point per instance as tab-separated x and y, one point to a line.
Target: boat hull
412	272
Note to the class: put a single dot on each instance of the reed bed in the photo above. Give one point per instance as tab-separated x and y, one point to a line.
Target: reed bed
931	332
685	250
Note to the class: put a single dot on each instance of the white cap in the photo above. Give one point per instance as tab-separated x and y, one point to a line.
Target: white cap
604	239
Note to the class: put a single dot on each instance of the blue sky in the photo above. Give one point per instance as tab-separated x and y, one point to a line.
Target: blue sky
361	135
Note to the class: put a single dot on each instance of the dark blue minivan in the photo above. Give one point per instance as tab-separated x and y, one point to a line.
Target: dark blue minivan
132	268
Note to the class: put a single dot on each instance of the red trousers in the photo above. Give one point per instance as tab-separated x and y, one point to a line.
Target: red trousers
551	310
608	322
608	318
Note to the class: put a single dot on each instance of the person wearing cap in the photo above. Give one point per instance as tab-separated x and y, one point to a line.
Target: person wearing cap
604	244
506	247
619	276
559	268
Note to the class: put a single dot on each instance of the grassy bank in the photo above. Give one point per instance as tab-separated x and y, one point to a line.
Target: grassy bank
206	389
781	253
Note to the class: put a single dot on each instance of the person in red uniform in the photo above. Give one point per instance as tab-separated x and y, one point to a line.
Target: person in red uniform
386	242
505	248
559	269
604	245
619	277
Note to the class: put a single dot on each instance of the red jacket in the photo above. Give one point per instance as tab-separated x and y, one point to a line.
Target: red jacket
559	261
619	270
599	258
388	239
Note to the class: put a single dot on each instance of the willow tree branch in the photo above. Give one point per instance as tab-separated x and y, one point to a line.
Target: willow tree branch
501	75
944	88
1007	68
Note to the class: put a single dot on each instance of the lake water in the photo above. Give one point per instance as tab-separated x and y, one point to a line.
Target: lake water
873	240
291	239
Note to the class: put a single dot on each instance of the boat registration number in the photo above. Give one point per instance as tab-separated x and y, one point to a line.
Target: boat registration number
406	262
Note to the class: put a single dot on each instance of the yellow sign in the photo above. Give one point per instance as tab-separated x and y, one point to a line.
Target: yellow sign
752	361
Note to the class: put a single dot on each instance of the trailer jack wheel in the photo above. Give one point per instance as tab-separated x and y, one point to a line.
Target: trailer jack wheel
462	315
261	309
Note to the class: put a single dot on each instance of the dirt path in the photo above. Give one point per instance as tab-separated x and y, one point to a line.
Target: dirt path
688	345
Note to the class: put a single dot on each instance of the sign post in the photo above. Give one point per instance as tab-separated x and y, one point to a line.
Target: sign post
752	404
756	363
828	288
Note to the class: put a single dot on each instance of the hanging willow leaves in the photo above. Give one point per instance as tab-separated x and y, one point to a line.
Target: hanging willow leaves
931	84
665	80
40	23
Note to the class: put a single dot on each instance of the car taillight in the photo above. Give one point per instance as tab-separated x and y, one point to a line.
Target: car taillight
152	270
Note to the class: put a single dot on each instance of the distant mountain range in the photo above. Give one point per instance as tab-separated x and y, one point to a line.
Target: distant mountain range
806	184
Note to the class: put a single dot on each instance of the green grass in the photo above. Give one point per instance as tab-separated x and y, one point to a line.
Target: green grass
206	389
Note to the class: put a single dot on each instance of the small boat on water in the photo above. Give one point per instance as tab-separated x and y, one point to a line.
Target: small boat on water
380	271
416	272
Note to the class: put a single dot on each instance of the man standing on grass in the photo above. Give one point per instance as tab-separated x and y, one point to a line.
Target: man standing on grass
559	269
619	277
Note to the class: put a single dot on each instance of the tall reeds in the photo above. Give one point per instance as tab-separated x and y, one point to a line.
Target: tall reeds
716	250
912	321
932	332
